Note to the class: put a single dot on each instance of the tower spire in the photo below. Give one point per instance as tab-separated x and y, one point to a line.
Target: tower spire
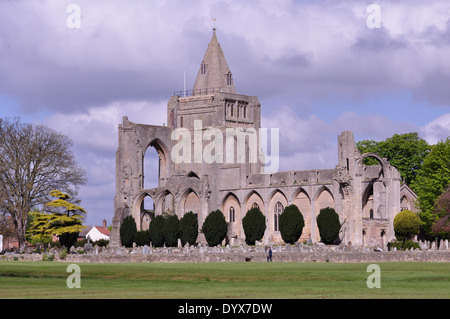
214	71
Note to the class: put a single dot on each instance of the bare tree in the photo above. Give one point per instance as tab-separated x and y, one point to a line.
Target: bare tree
34	160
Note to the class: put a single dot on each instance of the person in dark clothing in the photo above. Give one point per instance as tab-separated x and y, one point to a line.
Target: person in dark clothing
269	255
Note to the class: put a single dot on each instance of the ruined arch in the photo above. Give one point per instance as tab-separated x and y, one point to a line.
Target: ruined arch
190	201
303	202
323	198
231	208
277	204
252	199
162	166
142	214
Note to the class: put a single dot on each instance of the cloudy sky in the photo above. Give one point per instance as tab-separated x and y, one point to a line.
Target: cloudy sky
318	68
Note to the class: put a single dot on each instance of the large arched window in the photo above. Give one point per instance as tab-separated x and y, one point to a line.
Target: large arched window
277	211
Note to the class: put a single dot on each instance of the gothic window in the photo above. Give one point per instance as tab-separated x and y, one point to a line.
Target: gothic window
232	215
181	121
232	110
245	111
277	211
203	68
237	110
255	205
229	79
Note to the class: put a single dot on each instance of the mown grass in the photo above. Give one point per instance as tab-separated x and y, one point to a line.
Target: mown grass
19	279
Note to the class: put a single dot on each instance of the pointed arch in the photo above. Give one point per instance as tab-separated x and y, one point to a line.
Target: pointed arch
253	199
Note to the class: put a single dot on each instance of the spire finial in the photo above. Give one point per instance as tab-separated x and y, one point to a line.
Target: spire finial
214	24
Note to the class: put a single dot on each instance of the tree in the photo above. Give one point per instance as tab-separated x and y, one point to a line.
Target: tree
441	227
291	224
254	224
432	179
215	228
188	228
329	225
142	238
406	152
128	231
406	225
156	231
171	229
34	160
64	219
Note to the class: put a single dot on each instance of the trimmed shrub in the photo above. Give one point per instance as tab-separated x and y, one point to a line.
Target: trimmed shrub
329	225
171	229
127	231
188	228
215	228
291	224
142	238
156	231
406	225
254	224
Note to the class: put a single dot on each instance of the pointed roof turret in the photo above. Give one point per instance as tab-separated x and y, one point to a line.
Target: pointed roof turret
214	72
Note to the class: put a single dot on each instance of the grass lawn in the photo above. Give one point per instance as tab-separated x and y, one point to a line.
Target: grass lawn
25	279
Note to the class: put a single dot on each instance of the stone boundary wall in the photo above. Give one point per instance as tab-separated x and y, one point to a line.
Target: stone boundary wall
252	256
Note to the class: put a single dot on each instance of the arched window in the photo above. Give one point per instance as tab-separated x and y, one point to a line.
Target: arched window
255	205
277	211
245	111
229	79
232	215
203	68
231	110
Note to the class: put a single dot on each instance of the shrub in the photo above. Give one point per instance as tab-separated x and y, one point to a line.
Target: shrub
188	228
142	238
329	225
63	253
254	224
156	231
291	224
171	230
215	228
127	231
406	225
408	244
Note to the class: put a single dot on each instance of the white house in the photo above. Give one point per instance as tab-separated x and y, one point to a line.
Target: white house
97	232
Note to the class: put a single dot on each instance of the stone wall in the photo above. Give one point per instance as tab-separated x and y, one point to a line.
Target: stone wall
285	253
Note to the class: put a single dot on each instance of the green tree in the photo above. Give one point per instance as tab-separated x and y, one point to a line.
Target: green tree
291	224
142	238
189	228
432	179
254	224
215	228
406	152
128	231
156	231
441	227
329	225
406	225
65	219
171	229
34	160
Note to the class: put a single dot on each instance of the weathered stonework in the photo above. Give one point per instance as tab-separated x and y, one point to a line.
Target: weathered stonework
367	198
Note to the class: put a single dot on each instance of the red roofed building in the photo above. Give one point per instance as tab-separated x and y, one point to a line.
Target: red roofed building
97	232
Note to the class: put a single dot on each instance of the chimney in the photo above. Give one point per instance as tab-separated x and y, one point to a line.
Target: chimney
104	223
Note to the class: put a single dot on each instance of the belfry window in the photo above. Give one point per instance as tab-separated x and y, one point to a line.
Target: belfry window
229	79
203	68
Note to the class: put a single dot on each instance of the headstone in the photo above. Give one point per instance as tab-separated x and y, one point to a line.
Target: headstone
179	243
1	243
433	245
72	250
96	249
145	250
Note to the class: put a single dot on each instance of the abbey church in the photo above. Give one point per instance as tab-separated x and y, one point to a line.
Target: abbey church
366	198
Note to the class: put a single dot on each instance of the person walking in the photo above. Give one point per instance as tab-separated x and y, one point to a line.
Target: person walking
269	255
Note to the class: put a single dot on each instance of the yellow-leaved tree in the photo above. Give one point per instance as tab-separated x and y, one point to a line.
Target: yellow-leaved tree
64	219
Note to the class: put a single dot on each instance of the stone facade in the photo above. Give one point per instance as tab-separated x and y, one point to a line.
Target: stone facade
367	198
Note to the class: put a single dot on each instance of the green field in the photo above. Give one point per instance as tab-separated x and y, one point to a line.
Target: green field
19	279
